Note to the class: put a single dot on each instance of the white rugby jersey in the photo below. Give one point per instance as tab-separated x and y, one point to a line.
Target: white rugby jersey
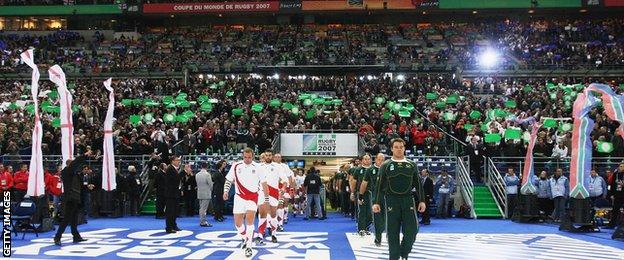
247	178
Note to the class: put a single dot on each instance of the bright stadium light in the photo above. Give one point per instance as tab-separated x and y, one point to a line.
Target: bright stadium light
488	59
275	76
369	77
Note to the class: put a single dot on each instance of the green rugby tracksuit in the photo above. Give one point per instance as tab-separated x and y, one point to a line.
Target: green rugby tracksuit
364	218
379	219
396	181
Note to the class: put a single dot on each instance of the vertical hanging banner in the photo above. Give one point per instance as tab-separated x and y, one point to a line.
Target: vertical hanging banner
529	169
581	141
67	126
108	163
36	186
580	164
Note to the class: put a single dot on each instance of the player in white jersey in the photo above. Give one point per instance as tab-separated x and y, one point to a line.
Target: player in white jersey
274	177
299	205
263	205
248	180
286	188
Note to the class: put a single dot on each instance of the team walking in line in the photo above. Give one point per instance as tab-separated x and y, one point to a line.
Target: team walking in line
382	192
259	188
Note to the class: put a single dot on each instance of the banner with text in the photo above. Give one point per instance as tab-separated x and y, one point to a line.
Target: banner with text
319	144
272	6
290	6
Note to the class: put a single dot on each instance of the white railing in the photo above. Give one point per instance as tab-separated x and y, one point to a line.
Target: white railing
495	183
465	185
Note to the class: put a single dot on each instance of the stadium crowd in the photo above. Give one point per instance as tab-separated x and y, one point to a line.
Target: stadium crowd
587	43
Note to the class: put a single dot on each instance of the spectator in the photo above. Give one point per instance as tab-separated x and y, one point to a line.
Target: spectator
189	190
135	188
616	193
218	179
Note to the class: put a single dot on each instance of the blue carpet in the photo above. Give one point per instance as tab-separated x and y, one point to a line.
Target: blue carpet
144	237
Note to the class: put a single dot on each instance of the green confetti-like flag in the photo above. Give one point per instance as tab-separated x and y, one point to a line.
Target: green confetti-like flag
431	96
492	138
604	147
550	123
475	114
513	134
510	104
237	111
275	103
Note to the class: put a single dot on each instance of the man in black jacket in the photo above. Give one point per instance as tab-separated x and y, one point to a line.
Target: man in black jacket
172	194
616	193
428	190
72	181
218	179
475	151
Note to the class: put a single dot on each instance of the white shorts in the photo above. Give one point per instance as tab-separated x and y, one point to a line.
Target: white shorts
273	202
241	206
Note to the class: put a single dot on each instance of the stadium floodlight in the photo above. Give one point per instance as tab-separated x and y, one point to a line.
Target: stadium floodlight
275	76
369	77
401	77
488	59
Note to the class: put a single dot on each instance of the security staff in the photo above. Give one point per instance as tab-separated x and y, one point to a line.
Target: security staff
544	194
511	188
368	186
428	190
72	181
397	178
172	194
597	187
218	180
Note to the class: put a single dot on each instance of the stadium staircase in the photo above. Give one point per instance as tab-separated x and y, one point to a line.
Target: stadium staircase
149	207
484	204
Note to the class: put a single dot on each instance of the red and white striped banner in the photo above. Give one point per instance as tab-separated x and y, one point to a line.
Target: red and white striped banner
36	186
67	125
108	162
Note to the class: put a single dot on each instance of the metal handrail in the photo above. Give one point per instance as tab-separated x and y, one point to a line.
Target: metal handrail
495	183
466	187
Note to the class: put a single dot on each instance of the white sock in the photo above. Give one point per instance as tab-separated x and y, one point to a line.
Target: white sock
273	222
249	234
286	212
262	223
241	231
280	216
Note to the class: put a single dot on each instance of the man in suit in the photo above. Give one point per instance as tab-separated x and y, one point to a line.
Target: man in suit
172	194
218	180
428	190
204	193
475	151
72	181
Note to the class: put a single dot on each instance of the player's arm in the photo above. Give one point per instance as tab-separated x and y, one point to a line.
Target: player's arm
229	179
365	180
352	183
379	189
